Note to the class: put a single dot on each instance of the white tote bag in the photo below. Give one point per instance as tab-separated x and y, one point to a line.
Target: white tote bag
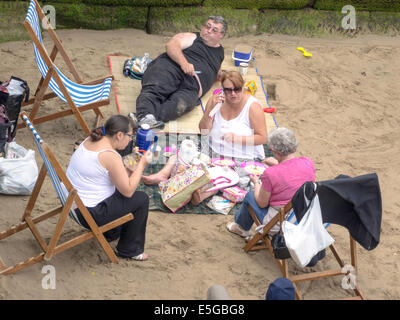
309	237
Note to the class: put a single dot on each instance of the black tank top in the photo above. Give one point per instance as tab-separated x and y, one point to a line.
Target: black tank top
206	59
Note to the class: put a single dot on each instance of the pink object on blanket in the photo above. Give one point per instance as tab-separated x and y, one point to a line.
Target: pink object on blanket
234	194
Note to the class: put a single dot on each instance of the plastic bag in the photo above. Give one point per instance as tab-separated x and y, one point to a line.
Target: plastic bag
220	204
18	170
309	237
136	66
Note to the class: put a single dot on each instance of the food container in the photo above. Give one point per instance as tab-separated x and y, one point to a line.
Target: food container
131	160
234	194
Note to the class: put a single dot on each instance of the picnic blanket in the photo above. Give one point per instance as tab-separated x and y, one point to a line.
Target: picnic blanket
165	139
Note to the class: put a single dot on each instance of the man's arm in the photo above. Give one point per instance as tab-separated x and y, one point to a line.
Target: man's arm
174	48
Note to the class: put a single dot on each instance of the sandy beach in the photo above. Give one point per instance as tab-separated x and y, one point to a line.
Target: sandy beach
342	105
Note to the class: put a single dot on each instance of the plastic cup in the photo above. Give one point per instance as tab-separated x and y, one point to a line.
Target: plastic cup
243	68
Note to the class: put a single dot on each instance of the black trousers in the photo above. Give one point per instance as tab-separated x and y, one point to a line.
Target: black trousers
167	92
132	233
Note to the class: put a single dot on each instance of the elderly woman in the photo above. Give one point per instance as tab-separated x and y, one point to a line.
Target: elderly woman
277	184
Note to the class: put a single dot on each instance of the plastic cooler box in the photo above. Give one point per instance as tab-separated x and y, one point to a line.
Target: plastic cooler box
242	56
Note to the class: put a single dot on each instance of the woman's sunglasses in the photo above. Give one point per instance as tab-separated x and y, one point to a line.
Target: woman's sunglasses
230	90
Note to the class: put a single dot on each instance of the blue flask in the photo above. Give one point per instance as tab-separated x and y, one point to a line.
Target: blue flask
144	137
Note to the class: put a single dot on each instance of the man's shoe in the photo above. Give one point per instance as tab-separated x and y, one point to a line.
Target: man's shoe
152	122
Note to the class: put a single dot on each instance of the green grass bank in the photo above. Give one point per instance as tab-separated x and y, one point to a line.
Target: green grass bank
292	17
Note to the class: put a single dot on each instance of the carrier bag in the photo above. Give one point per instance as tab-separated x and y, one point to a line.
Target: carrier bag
177	190
309	236
18	170
12	94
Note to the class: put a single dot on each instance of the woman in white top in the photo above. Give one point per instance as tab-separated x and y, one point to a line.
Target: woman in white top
108	189
235	121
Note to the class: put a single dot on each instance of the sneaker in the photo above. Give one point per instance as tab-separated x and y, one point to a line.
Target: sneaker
152	122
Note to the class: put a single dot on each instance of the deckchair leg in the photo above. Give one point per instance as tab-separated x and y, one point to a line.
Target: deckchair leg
297	292
96	231
251	245
40	94
35	192
67	245
99	117
60	225
36	233
353	253
2	266
337	257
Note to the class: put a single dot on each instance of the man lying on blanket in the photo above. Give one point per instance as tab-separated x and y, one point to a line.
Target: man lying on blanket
173	82
234	123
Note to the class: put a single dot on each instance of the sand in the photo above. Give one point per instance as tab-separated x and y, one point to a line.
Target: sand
343	106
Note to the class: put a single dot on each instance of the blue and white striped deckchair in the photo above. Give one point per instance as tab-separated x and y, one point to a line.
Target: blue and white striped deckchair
78	96
70	201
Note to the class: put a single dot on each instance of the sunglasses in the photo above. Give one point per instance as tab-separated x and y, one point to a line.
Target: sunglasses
230	90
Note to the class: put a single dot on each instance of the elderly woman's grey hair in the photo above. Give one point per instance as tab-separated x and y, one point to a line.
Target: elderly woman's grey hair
282	141
221	20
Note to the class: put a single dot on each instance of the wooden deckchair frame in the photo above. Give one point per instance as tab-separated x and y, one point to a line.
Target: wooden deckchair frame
262	241
52	248
40	95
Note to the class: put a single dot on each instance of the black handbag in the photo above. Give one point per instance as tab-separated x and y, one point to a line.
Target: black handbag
13	100
279	246
5	130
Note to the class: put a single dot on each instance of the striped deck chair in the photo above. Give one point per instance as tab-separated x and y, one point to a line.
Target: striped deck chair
69	199
78	95
262	240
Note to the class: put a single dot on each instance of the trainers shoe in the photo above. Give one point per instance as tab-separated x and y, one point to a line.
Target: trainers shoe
152	122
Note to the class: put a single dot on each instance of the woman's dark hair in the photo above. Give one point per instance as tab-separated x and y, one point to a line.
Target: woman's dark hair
113	125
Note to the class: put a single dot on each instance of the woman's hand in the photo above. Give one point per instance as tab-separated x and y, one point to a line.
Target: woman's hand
270	161
254	178
147	157
230	137
217	98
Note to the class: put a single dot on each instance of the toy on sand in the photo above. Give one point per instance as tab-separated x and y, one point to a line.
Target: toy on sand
305	53
251	86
